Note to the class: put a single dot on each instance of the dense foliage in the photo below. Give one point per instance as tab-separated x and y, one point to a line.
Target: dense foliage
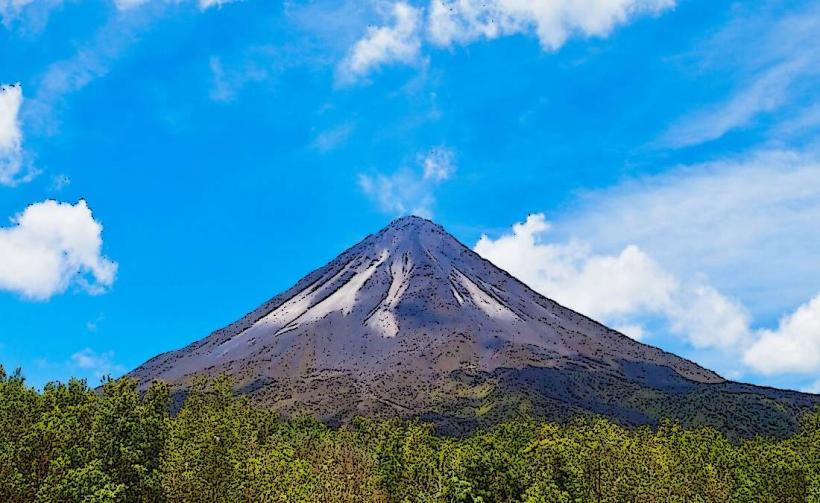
70	443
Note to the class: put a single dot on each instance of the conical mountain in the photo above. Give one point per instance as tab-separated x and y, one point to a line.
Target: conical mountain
409	322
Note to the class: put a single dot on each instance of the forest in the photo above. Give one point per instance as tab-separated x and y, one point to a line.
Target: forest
69	442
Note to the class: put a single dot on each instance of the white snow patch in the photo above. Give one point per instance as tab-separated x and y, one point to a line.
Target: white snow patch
456	293
483	300
343	299
384	319
283	315
298	304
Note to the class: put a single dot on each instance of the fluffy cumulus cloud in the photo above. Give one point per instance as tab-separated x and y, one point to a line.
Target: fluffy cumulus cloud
12	164
600	286
398	42
444	23
629	288
794	347
621	289
411	191
51	246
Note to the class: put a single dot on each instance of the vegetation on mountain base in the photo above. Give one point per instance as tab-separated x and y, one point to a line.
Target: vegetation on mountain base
71	443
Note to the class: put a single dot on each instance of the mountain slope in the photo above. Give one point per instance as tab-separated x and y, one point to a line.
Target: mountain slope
410	322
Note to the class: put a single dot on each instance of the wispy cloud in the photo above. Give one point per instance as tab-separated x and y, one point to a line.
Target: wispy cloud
91	61
95	58
438	164
14	168
411	190
776	65
398	42
203	4
98	364
332	138
30	15
229	79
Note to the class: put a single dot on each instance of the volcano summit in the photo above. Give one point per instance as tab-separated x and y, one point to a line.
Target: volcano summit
411	323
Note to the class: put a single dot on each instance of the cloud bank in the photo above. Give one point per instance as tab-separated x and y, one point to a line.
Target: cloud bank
51	246
672	254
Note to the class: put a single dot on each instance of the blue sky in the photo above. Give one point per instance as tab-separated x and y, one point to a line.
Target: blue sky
166	166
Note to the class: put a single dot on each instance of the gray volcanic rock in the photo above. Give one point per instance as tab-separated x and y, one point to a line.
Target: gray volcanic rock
409	322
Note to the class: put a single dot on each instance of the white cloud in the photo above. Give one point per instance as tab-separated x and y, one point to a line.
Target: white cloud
385	44
600	286
636	332
438	164
207	4
410	191
100	364
446	22
707	318
552	21
794	347
622	289
51	246
13	169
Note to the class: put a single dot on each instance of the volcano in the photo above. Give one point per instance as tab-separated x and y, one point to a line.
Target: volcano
411	323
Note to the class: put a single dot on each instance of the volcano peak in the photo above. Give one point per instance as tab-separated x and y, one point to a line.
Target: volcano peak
411	312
